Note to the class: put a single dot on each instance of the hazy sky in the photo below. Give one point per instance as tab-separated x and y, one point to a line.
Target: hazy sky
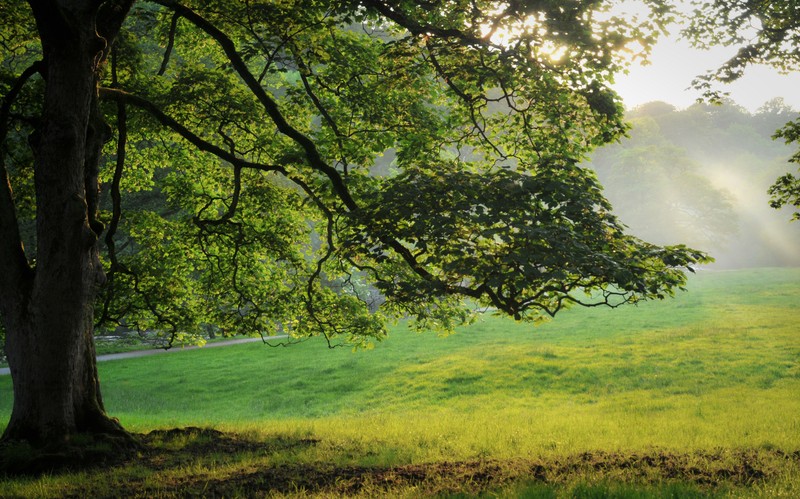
675	64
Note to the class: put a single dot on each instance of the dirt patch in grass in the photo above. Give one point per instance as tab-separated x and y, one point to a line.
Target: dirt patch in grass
191	462
703	468
473	477
202	447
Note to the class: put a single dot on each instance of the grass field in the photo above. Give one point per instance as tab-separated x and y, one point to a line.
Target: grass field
698	395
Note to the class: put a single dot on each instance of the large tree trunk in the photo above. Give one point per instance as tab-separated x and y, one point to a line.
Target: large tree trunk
50	344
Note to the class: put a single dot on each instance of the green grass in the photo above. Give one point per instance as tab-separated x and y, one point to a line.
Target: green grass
715	369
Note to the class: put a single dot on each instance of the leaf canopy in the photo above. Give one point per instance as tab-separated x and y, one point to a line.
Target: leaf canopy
322	167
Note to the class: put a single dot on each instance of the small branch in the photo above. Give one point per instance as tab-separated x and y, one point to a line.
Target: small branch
426	29
116	210
170	44
231	211
11	96
469	101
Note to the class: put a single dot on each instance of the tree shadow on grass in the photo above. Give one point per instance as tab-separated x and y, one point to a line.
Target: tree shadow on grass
703	469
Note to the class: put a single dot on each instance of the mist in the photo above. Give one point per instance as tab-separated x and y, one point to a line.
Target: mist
699	176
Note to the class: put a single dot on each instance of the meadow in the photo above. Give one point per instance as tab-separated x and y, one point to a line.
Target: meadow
698	395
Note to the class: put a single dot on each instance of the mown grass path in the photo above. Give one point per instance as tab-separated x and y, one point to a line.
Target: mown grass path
132	354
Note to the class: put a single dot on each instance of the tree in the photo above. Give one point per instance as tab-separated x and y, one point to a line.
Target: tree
766	33
239	175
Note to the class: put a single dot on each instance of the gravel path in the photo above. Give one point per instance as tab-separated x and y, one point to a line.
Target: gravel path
157	351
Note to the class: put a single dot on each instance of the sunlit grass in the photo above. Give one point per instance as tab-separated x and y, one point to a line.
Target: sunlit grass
715	366
716	369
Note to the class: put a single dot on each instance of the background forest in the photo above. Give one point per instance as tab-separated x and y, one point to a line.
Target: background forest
700	176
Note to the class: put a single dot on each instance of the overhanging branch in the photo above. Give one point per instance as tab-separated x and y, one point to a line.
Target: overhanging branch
507	299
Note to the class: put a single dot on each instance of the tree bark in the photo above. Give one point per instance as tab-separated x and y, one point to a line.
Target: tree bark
49	326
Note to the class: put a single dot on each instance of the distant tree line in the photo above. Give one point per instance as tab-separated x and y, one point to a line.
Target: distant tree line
702	175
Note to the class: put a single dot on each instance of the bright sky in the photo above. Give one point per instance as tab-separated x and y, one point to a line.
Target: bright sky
674	64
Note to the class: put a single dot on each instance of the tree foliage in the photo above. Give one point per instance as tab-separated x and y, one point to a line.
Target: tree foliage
242	186
765	33
266	166
786	190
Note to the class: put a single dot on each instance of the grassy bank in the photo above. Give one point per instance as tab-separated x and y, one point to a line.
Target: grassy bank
710	379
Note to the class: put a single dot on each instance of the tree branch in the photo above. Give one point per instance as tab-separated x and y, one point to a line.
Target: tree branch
270	106
116	209
191	137
14	268
511	302
170	44
231	211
